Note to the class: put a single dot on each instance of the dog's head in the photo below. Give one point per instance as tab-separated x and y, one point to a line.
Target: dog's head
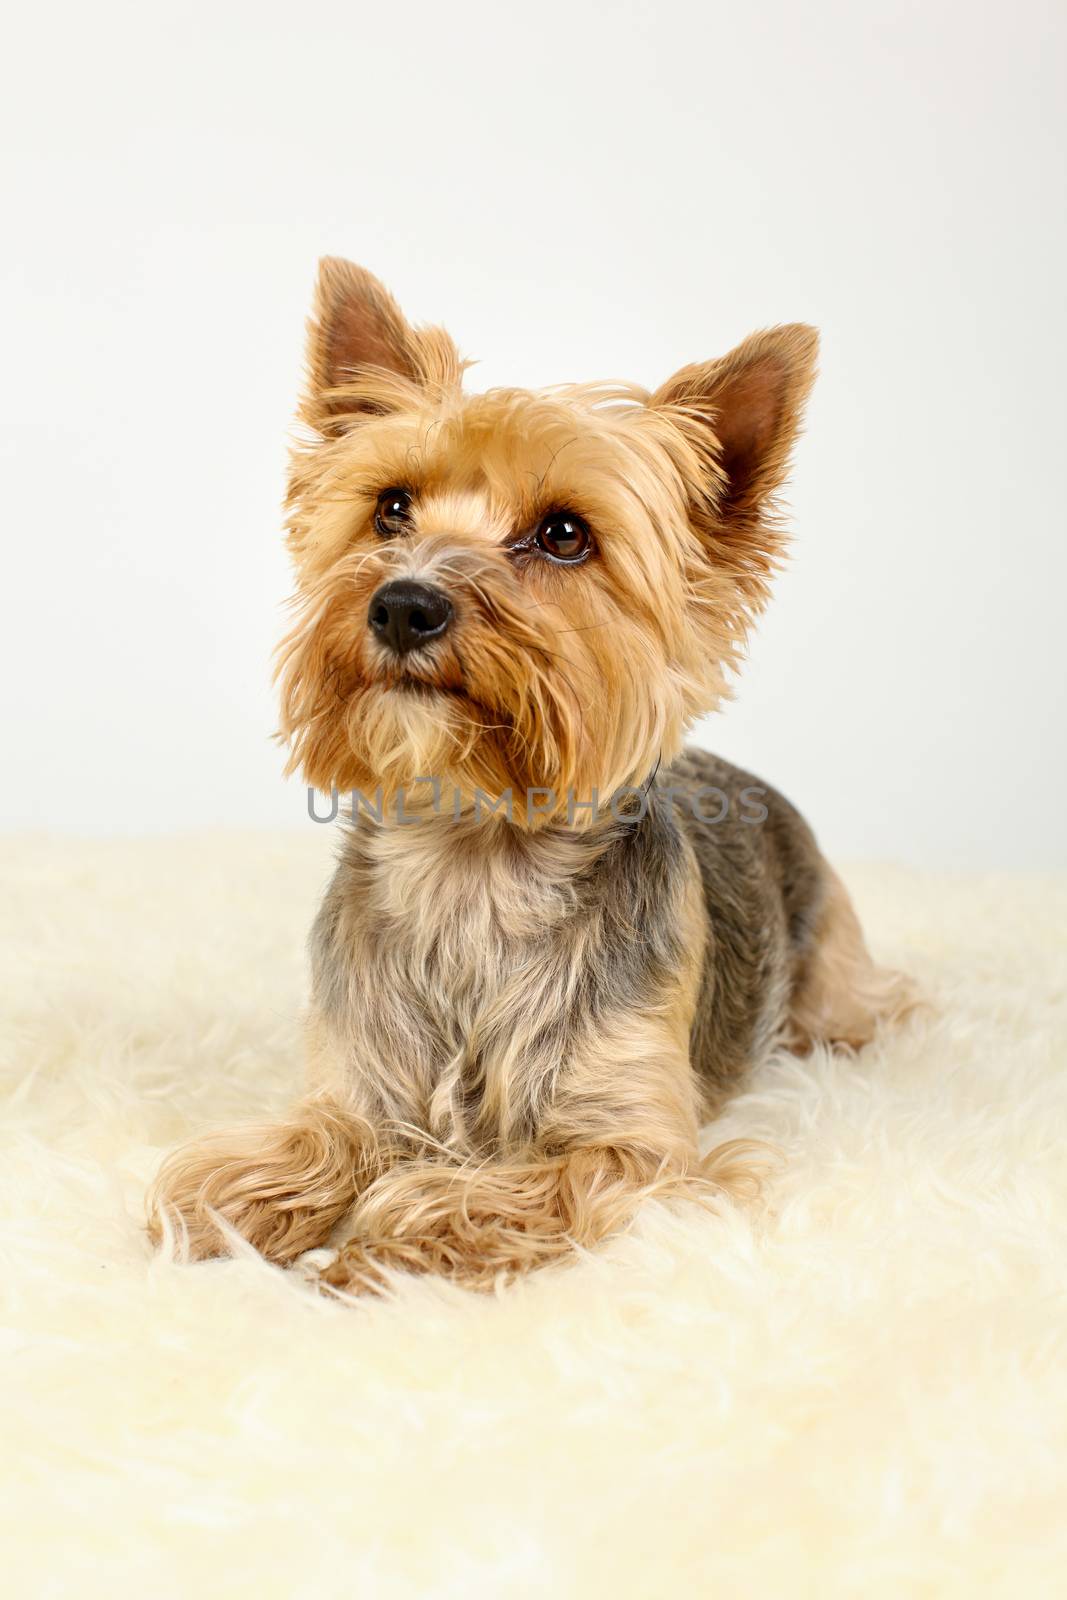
520	590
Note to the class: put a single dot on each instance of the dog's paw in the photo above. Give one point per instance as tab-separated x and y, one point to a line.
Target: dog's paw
255	1183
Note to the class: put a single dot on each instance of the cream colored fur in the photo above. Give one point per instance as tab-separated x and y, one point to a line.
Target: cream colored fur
856	1386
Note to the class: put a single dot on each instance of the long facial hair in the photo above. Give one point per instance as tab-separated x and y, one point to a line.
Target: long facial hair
552	679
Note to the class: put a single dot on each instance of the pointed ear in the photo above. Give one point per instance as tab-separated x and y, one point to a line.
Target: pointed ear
360	340
743	413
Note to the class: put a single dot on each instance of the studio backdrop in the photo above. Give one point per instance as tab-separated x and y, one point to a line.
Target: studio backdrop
650	187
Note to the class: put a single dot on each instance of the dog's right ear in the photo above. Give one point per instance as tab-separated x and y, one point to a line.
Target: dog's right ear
356	323
363	355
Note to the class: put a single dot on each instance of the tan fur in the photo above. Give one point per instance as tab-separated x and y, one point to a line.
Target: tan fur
483	1223
649	635
281	1185
843	995
483	1096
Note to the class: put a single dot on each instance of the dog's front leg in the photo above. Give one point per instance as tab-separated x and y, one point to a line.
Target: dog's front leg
619	1126
629	1086
281	1185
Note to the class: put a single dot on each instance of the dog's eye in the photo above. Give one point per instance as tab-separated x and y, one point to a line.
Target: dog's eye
563	536
393	512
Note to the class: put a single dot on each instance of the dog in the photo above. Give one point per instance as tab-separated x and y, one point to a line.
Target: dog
556	939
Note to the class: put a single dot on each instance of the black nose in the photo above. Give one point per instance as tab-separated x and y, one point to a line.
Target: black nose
405	615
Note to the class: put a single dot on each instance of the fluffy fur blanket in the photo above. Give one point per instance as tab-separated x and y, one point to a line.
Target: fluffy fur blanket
856	1386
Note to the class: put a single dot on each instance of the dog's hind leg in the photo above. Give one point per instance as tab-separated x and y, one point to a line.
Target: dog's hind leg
841	995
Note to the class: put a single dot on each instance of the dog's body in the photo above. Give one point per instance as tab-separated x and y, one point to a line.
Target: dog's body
519	1018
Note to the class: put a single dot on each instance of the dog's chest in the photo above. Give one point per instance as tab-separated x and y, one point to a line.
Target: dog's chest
461	974
447	959
447	966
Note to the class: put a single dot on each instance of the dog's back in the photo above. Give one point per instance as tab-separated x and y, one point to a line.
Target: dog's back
785	959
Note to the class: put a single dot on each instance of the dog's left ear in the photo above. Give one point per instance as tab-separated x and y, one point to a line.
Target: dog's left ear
743	413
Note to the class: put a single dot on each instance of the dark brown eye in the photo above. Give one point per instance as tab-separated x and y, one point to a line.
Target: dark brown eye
392	515
563	536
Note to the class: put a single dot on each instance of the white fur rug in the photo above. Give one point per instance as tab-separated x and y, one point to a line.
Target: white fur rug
858	1387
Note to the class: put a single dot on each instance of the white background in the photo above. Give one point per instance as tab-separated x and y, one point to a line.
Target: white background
577	191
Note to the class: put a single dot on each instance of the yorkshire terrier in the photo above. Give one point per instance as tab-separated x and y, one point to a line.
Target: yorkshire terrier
555	940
